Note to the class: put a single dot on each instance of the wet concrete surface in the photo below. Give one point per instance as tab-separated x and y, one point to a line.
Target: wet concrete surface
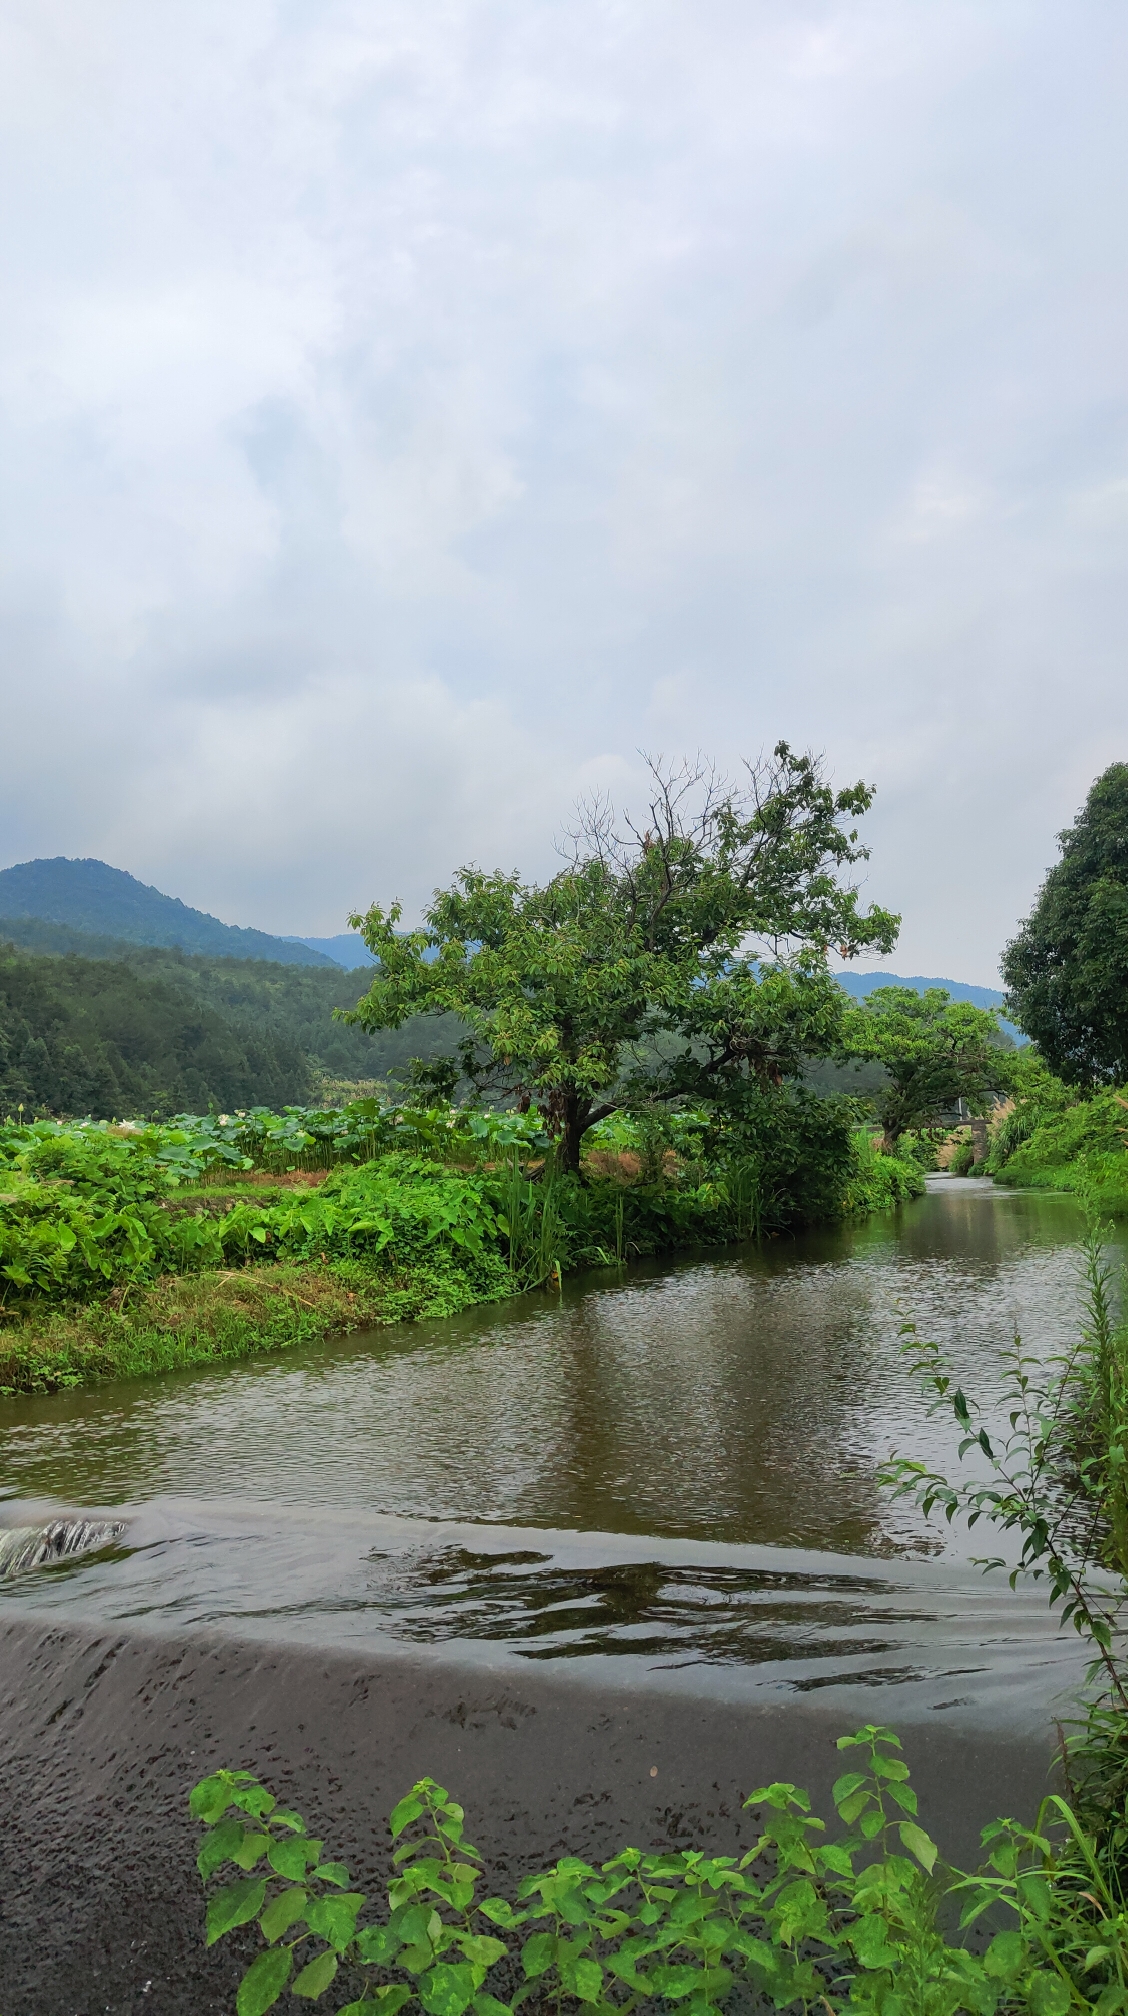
102	1734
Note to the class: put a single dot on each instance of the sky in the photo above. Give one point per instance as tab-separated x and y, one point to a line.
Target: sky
412	410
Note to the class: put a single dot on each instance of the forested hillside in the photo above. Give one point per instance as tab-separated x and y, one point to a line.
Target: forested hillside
156	1031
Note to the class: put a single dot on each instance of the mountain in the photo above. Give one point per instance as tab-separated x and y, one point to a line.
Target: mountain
862	984
91	897
347	949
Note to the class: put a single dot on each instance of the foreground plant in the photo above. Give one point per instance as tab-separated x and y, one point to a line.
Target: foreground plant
1057	1473
806	1922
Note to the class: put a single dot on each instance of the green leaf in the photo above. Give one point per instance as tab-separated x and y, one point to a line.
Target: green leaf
333	1872
904	1797
254	1799
446	1990
218	1845
282	1912
851	1807
293	1857
1004	1956
210	1799
917	1842
315	1979
869	1938
389	1998
233	1906
488	2005
538	1954
378	1945
481	1950
500	1911
1048	1995
250	1850
264	1981
587	1980
334	1918
402	1815
672	1983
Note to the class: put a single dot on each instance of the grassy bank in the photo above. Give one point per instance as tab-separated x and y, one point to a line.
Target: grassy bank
127	1251
1055	1138
219	1314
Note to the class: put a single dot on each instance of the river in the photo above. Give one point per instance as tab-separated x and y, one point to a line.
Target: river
668	1476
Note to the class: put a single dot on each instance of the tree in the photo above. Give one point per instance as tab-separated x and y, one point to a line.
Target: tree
664	960
936	1052
1067	970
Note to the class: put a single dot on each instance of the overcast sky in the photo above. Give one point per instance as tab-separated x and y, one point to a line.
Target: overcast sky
409	411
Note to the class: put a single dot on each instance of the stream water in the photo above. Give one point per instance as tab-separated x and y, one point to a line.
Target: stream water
670	1476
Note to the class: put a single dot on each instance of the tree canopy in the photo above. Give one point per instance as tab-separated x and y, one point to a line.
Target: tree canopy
1067	969
936	1052
681	955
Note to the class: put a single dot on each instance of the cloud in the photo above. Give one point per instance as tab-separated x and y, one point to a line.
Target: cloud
409	413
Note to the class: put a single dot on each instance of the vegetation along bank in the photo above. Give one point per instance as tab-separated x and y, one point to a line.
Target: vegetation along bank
628	1079
135	1249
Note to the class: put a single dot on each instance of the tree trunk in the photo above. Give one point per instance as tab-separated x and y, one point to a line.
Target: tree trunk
978	1139
889	1142
575	1118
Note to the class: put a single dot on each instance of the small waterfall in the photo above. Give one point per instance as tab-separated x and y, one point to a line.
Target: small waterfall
36	1546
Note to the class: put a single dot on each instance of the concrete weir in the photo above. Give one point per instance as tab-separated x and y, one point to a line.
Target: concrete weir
102	1733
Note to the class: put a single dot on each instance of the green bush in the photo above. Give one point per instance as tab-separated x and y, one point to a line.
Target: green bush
85	1208
802	1920
1082	1147
880	1181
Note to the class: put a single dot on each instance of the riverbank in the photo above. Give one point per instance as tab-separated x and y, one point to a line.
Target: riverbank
226	1313
102	1734
1053	1137
127	1252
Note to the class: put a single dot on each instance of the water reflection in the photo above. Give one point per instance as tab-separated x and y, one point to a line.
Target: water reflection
744	1398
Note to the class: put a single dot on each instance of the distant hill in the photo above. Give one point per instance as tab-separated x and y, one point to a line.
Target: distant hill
91	897
347	949
862	984
117	1028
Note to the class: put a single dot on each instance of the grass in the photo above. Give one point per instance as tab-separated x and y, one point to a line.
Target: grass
211	1317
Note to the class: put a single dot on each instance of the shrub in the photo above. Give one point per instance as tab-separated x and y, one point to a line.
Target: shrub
802	1920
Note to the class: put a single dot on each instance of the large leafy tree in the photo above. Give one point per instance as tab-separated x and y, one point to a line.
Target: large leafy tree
936	1051
681	955
1067	969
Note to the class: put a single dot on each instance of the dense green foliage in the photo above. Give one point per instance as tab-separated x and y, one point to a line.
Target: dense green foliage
686	961
1054	1137
91	896
935	1052
802	1919
1067	969
86	1209
159	1032
81	1036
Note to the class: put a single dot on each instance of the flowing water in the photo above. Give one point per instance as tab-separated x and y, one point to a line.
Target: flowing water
669	1476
